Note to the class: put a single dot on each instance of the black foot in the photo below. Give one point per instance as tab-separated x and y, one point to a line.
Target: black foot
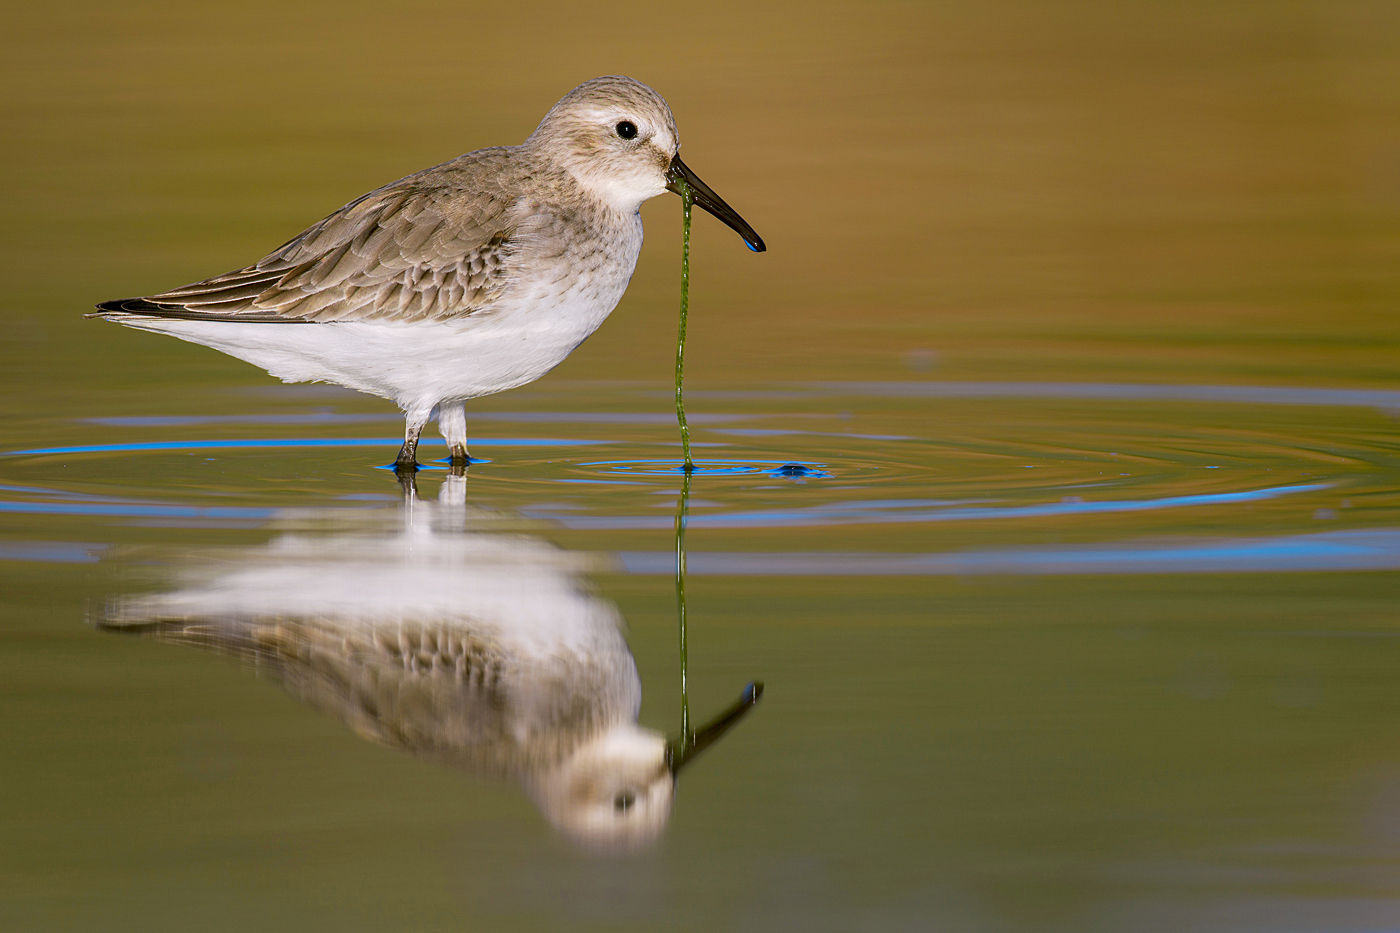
407	460
465	462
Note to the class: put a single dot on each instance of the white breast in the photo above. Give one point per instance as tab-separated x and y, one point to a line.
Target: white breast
549	312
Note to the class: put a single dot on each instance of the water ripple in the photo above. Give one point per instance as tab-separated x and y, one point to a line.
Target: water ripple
1334	551
877	512
250	443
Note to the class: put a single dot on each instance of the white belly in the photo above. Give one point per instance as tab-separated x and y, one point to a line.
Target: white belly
416	365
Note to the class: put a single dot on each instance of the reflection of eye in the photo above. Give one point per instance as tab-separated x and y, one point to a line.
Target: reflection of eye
627	129
623	801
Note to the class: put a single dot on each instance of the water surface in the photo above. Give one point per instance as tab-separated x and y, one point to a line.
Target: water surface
1106	652
1049	475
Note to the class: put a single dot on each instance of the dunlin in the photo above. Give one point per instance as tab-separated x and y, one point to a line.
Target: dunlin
465	279
483	651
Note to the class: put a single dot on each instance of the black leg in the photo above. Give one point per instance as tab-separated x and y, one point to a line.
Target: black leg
407	461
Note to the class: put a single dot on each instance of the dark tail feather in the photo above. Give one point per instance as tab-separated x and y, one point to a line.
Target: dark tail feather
148	308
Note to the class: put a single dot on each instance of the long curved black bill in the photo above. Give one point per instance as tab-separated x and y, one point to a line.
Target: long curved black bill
711	202
680	752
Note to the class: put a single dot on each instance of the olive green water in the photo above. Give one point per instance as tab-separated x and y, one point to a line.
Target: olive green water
1048	468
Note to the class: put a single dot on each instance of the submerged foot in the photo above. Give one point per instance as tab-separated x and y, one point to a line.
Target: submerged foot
458	457
407	460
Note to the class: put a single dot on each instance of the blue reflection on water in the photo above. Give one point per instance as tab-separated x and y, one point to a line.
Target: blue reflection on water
135	509
298	442
1377	549
327	416
52	552
905	511
785	432
797	471
710	468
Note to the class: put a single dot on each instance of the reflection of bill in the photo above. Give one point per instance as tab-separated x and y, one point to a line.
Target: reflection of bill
483	651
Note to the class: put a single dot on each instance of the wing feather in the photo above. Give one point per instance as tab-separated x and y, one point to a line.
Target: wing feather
427	248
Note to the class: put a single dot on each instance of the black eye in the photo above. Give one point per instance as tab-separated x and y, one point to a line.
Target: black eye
627	129
623	801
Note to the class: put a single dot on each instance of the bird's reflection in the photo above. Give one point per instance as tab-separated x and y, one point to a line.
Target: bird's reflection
479	649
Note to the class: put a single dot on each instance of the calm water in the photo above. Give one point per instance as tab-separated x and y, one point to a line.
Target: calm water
1050	481
1029	661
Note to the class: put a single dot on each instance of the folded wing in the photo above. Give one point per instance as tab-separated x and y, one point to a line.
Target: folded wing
418	250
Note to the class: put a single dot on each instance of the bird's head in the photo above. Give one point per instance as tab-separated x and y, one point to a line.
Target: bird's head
613	793
618	140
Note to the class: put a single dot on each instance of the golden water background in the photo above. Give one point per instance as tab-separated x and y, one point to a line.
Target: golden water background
1187	193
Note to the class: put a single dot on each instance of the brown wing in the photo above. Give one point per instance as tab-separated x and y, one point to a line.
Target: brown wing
421	249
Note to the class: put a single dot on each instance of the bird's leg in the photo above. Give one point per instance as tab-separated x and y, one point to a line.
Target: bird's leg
452	422
413	429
